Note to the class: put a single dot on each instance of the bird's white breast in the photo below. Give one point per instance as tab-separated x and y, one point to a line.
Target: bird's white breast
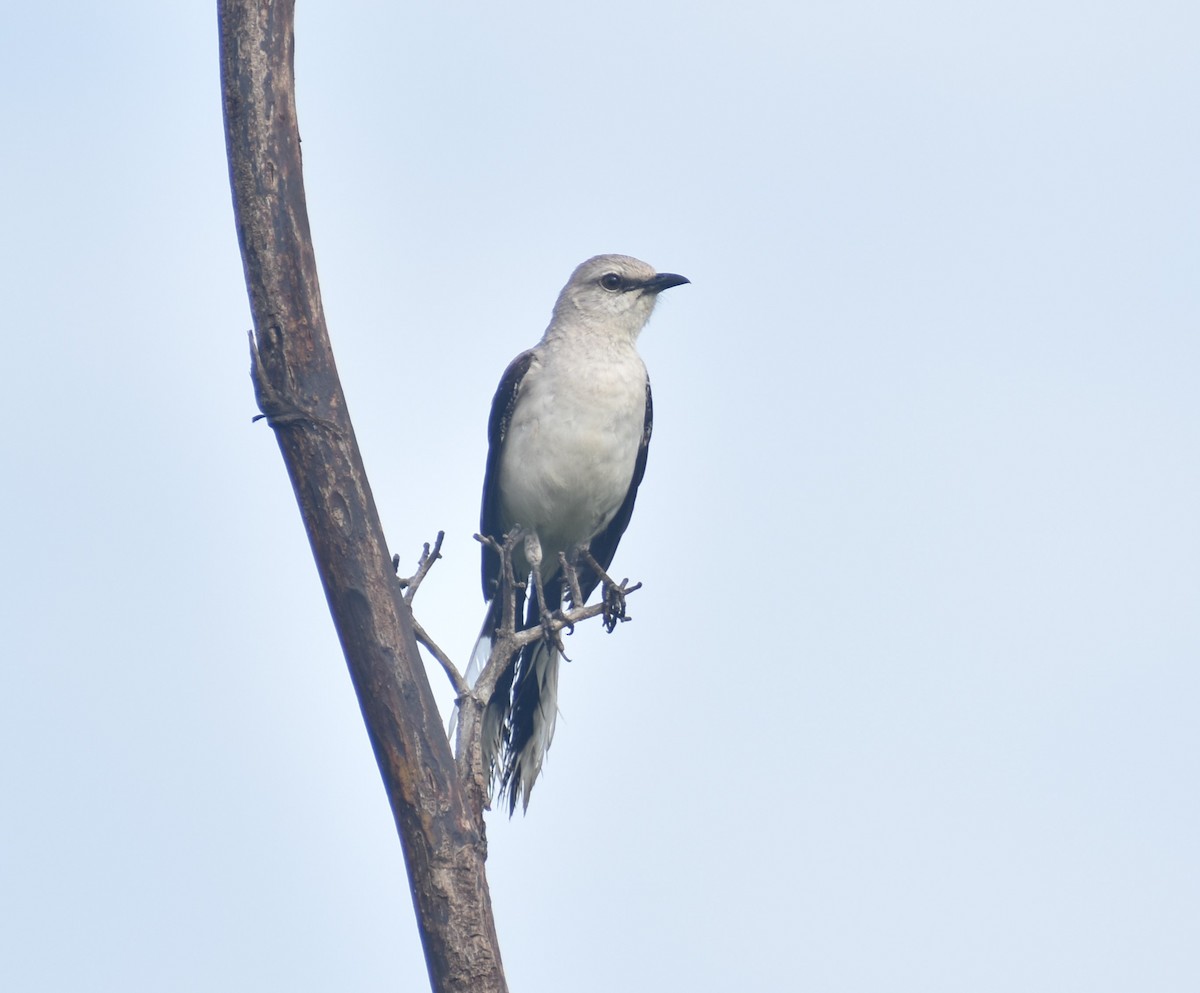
570	451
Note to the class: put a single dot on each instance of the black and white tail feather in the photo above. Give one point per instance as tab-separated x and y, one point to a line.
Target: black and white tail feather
518	722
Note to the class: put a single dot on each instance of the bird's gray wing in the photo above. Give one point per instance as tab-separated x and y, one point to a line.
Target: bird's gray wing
604	545
490	522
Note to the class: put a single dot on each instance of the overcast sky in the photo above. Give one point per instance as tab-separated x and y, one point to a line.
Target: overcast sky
909	701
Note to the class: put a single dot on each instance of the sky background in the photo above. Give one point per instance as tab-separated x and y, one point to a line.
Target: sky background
909	702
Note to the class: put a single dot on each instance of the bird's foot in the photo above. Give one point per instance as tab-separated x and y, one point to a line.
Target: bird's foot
612	591
553	626
614	605
552	622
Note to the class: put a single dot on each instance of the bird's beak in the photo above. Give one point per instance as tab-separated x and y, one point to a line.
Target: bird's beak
664	281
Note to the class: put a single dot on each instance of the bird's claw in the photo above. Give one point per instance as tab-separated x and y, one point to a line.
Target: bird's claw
614	605
552	633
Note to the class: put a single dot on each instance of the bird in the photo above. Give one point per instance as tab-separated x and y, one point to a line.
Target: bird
568	435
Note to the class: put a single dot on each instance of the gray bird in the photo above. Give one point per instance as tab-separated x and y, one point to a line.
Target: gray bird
567	442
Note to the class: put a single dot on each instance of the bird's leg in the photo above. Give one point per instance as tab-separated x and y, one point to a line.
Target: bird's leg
533	555
571	580
612	591
572	595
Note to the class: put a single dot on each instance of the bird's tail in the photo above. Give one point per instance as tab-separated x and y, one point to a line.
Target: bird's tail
530	722
518	723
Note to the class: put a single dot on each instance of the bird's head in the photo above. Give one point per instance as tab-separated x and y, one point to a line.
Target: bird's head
611	293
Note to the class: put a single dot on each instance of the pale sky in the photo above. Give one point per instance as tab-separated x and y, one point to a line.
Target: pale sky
909	701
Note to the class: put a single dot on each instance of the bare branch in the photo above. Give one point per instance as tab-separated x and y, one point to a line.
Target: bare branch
569	618
508	582
424	564
410	585
298	390
508	640
457	682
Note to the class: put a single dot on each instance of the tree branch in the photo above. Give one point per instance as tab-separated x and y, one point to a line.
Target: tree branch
410	587
424	564
507	642
298	391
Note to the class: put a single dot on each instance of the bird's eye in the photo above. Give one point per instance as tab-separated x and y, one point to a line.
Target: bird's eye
611	281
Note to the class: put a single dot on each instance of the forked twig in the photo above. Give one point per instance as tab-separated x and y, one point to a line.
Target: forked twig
508	640
424	564
410	585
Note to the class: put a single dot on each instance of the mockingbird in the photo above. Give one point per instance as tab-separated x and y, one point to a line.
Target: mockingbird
567	441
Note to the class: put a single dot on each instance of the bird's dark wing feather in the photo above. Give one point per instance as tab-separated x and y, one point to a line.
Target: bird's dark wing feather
604	545
490	523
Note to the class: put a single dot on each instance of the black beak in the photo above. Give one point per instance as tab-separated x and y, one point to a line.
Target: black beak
664	281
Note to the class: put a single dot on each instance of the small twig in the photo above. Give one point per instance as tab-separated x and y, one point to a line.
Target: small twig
503	646
507	640
410	586
424	564
508	582
569	618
